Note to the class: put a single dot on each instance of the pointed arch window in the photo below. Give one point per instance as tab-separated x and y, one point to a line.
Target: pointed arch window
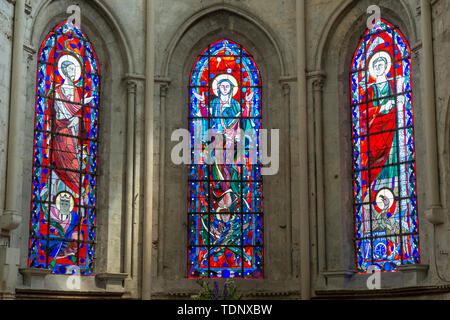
64	182
225	218
384	175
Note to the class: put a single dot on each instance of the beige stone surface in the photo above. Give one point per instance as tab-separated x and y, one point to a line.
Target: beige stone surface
268	29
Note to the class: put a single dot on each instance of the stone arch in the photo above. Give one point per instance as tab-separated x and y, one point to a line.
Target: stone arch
209	10
193	36
107	16
340	14
338	42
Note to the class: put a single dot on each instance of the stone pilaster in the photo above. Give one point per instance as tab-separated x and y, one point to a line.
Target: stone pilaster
318	81
164	84
131	98
286	94
11	218
147	252
305	276
434	212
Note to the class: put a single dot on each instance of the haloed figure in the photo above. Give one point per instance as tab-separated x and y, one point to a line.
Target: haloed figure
68	111
63	227
225	112
382	117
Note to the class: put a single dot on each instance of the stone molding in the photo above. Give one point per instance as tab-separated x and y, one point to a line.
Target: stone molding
34	278
413	274
381	293
113	281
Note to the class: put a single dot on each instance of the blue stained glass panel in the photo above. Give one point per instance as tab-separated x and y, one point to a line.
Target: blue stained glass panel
359	63
62	224
385	203
225	95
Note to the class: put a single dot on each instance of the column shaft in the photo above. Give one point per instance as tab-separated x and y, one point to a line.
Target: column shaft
149	126
13	172
131	97
429	99
318	84
303	147
164	86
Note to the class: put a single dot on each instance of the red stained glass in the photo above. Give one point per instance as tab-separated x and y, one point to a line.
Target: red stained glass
225	95
383	151
62	227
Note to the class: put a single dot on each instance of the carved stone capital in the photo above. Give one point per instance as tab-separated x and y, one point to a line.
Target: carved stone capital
318	84
164	88
318	79
10	220
286	89
131	86
134	76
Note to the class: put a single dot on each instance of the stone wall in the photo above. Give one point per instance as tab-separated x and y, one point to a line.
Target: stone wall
6	35
267	29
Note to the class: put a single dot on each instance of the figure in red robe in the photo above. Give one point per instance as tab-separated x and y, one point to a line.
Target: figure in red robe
68	126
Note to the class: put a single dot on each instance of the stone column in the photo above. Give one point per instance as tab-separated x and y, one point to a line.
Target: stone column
163	89
286	89
318	81
147	252
131	97
303	154
9	268
434	211
11	217
138	184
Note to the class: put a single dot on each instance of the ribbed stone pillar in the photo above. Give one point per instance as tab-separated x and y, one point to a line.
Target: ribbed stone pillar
434	211
147	251
11	217
131	97
303	147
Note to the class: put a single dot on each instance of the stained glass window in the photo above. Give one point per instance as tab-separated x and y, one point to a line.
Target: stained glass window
64	183
225	218
384	175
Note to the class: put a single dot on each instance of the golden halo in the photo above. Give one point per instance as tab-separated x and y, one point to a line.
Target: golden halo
380	54
228	77
64	194
70	58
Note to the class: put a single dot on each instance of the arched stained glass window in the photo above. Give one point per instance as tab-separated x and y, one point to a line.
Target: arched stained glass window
385	199
64	184
225	221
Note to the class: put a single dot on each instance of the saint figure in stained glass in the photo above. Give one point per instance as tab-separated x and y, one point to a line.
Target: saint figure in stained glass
383	151
225	212
62	227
